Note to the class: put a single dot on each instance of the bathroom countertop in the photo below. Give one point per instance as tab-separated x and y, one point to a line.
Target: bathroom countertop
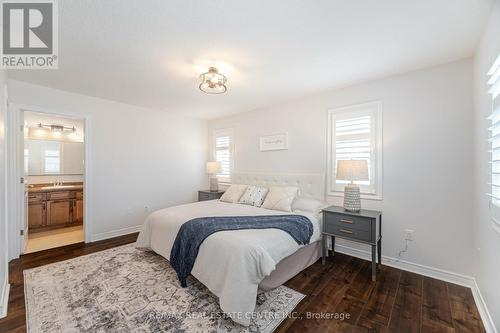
36	188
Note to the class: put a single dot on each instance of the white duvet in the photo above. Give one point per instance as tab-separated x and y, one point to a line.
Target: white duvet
230	263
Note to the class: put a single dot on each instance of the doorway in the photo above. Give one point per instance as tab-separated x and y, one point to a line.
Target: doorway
53	155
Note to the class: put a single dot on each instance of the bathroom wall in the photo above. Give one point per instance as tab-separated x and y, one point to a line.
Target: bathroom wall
31	121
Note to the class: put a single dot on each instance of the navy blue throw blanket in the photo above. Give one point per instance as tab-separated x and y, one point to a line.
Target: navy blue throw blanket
193	233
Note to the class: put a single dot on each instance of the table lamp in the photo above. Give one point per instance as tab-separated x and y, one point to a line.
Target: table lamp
213	168
352	170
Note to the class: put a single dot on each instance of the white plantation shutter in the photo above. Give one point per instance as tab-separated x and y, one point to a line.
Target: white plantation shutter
494	90
355	134
353	141
223	151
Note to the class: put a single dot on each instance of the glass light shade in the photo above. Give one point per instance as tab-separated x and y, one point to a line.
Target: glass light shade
212	82
38	131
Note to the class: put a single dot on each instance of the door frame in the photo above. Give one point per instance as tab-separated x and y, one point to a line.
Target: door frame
15	171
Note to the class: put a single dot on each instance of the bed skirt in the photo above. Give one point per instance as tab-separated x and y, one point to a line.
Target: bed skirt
291	266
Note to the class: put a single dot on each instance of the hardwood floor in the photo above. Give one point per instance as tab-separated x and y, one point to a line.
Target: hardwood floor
399	302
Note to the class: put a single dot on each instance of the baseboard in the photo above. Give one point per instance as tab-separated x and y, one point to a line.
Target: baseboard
115	233
4	297
488	323
463	280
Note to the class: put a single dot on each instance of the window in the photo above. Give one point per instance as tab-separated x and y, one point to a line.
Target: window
52	161
355	132
223	153
494	82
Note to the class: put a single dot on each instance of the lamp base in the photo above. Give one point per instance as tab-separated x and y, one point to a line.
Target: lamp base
214	184
352	198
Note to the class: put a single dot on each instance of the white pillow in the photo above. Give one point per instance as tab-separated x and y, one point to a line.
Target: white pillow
254	196
280	198
303	204
233	193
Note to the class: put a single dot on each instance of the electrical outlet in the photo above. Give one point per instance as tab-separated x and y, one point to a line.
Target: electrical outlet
409	234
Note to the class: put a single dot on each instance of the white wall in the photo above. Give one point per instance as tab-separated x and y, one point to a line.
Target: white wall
487	241
427	156
138	157
4	277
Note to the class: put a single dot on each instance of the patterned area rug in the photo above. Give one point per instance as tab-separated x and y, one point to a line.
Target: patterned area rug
127	290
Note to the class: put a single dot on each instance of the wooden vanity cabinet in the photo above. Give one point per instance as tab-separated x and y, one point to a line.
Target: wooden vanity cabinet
59	212
36	214
54	209
78	208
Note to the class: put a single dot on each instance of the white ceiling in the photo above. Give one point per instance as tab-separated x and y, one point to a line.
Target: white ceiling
150	53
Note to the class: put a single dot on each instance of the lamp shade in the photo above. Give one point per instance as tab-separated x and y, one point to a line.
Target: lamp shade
352	170
214	167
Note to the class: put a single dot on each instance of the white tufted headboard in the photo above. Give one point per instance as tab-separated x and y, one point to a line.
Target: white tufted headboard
310	185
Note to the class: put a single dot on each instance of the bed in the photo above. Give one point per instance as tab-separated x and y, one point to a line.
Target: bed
235	264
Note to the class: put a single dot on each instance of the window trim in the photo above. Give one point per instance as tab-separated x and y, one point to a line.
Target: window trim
378	174
215	134
493	82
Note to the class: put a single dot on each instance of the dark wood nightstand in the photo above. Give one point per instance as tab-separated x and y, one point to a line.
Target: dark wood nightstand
209	195
364	226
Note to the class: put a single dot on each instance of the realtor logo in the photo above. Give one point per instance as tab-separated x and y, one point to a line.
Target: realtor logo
29	34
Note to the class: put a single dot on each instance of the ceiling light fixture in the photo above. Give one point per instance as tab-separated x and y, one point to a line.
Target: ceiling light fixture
212	82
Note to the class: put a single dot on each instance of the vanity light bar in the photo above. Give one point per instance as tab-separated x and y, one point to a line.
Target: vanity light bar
57	128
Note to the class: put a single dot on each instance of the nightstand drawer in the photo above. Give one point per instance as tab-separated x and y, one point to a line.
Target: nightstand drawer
208	195
204	196
347	232
350	222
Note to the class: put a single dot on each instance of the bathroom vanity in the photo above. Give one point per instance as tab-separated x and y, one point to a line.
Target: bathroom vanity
51	207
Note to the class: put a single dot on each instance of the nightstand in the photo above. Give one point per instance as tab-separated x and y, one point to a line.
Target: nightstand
364	227
209	195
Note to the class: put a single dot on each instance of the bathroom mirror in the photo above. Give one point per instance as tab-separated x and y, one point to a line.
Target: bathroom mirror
43	157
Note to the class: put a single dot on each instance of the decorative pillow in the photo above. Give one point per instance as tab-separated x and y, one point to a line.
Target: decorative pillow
254	196
233	193
280	198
